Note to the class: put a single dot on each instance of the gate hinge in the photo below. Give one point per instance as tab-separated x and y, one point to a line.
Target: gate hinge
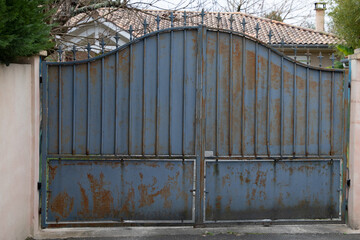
39	186
348	182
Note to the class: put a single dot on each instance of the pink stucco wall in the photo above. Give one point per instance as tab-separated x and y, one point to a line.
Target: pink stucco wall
19	148
354	144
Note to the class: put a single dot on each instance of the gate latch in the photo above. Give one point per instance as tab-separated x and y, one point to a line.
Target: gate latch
348	182
39	186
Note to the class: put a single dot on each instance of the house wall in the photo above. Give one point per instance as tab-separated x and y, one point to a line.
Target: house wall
19	148
314	60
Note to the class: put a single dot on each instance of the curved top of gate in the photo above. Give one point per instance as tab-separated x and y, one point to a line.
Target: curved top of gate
134	40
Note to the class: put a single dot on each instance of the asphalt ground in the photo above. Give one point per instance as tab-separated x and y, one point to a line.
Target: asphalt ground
245	232
233	235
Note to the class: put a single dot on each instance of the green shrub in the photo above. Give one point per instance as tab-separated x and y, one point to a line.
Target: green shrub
346	19
23	31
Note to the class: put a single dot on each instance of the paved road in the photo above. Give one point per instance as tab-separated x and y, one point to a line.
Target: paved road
241	236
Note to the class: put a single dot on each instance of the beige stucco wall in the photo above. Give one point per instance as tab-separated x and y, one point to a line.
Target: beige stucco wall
314	60
19	148
354	144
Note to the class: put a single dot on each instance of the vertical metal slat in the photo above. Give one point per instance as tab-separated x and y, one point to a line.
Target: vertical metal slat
231	96
59	110
143	101
332	114
242	95
184	98
88	110
217	118
170	90
307	95
282	108
116	140
319	114
73	110
255	106
102	105
129	103
294	110
268	104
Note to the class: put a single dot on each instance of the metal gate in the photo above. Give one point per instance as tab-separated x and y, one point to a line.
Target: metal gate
188	126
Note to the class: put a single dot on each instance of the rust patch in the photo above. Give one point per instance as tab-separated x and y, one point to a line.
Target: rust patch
275	76
250	70
307	168
147	199
241	178
124	67
260	178
84	203
194	41
248	197
102	199
93	73
210	50
253	193
62	205
280	200
52	173
225	179
288	82
170	166
152	164
262	195
291	170
208	210
313	86
228	205
275	122
262	70
300	83
129	203
218	202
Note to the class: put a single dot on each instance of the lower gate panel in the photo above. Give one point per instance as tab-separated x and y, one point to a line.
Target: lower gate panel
120	191
254	190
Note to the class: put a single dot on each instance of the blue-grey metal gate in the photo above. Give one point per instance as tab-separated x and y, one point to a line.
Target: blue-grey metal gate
191	125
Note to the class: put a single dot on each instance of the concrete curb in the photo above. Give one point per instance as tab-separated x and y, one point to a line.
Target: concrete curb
169	231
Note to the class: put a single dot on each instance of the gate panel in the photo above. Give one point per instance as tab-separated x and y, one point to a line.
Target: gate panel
289	189
120	191
275	107
275	121
121	134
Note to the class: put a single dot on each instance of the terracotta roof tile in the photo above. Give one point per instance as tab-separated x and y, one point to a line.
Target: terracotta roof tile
123	18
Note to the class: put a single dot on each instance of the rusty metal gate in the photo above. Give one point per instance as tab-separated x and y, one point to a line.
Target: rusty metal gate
192	125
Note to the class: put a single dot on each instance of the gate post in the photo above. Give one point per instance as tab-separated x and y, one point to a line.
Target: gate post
354	143
200	125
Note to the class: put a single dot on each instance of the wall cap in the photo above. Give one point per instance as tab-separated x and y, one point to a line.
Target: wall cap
356	55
